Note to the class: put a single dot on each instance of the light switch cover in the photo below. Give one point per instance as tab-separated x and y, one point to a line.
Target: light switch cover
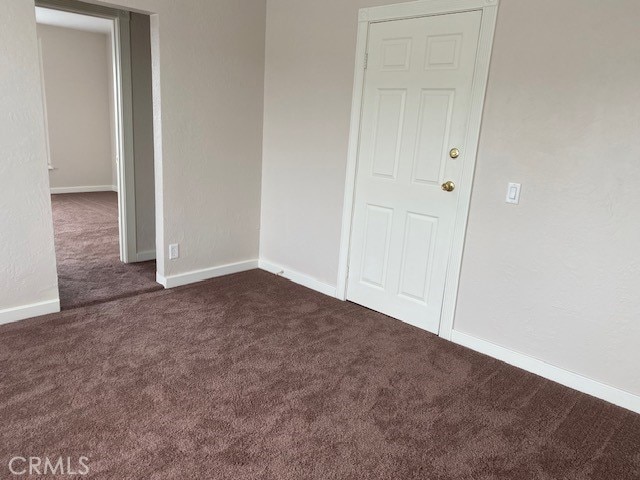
513	193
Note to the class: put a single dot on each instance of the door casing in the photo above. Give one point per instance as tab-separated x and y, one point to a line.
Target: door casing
422	8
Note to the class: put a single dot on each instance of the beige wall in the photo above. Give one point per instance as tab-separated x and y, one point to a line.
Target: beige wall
143	133
553	278
112	113
27	264
310	55
209	90
556	277
78	74
76	78
208	87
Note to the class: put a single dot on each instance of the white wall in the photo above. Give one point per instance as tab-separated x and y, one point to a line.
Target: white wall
555	278
27	264
77	84
208	87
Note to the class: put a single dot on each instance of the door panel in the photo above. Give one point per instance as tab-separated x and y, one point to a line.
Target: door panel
376	245
388	132
415	109
419	242
433	131
443	52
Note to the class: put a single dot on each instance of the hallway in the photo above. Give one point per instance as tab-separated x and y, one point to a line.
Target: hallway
87	252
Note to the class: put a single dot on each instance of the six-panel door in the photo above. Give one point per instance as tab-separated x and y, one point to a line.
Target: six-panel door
415	110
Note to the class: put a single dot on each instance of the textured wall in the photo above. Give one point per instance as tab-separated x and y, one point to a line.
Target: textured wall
208	86
77	84
555	278
143	133
310	54
27	264
112	114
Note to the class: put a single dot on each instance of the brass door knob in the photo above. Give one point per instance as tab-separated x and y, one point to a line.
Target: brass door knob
449	186
454	153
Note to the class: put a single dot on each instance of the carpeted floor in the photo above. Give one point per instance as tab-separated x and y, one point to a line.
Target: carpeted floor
87	252
253	377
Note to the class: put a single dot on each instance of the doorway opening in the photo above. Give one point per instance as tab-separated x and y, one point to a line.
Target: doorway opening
96	79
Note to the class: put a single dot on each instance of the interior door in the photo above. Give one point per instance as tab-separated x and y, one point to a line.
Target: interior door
415	113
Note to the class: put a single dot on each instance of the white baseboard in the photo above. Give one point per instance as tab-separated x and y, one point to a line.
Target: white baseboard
14	314
569	379
146	256
299	278
95	188
206	274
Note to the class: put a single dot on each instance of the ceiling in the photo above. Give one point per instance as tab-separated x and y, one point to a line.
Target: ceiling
58	18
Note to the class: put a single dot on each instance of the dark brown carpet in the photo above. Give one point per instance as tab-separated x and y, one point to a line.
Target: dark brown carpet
88	255
253	377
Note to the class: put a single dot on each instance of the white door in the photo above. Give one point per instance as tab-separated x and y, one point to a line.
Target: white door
415	111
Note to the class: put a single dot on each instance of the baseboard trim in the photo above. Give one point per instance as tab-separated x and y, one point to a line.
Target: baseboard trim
205	274
146	256
22	312
569	379
95	188
299	278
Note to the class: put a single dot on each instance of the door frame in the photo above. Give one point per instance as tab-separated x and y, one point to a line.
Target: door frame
123	99
403	11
